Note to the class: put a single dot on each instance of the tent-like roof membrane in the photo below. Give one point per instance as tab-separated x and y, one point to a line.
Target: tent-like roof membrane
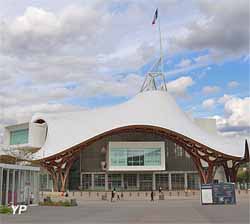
154	108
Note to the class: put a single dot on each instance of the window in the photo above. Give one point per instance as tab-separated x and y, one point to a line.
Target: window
178	150
152	157
19	137
136	157
99	181
43	181
130	181
146	181
161	181
86	181
118	157
193	181
177	181
115	181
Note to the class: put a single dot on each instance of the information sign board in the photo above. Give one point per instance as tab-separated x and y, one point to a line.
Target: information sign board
222	193
206	194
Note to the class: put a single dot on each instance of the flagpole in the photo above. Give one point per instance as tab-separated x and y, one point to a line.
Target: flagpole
161	53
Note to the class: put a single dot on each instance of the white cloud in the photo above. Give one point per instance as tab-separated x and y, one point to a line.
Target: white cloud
179	86
45	50
239	111
39	31
236	117
224	99
208	31
210	89
208	104
184	63
233	84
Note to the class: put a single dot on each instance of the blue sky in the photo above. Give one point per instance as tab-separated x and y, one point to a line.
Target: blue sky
58	56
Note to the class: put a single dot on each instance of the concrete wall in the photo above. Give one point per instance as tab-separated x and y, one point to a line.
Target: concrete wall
37	134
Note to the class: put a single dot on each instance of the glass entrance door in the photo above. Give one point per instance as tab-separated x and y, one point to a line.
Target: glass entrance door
146	182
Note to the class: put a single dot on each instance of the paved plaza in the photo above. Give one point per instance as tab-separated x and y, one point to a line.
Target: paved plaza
136	212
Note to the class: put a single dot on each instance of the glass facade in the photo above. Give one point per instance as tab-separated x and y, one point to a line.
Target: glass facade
152	157
178	150
135	157
130	181
43	181
19	137
178	181
86	182
99	181
118	157
114	181
46	182
193	181
136	160
161	180
140	181
74	176
146	181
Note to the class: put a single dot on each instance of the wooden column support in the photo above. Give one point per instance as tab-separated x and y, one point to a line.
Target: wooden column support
59	170
54	176
59	165
231	172
206	173
64	173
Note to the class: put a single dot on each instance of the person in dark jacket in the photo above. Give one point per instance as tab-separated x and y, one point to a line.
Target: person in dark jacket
112	195
152	196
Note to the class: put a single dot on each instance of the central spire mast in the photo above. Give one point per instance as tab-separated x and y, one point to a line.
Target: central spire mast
154	72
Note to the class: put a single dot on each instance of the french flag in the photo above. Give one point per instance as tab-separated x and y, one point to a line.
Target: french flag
155	17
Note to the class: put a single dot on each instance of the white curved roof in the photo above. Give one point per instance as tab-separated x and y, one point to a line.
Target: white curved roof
156	108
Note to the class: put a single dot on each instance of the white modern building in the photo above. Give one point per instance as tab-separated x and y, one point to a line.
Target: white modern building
143	144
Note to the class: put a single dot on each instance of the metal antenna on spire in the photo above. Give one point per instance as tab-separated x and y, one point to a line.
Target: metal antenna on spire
150	79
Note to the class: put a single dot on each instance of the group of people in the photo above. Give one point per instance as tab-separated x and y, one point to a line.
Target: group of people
113	194
152	194
64	194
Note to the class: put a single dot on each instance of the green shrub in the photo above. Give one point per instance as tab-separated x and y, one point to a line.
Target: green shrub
65	203
5	210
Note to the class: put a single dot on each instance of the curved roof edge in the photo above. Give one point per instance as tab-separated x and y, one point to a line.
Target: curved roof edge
152	108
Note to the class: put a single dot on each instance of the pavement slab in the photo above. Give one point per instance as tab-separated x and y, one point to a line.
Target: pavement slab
135	212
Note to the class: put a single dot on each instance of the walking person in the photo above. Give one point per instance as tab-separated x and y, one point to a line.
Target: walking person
112	195
152	196
32	197
66	194
160	190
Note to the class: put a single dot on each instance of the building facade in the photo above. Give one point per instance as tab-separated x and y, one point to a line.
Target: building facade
133	161
145	143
